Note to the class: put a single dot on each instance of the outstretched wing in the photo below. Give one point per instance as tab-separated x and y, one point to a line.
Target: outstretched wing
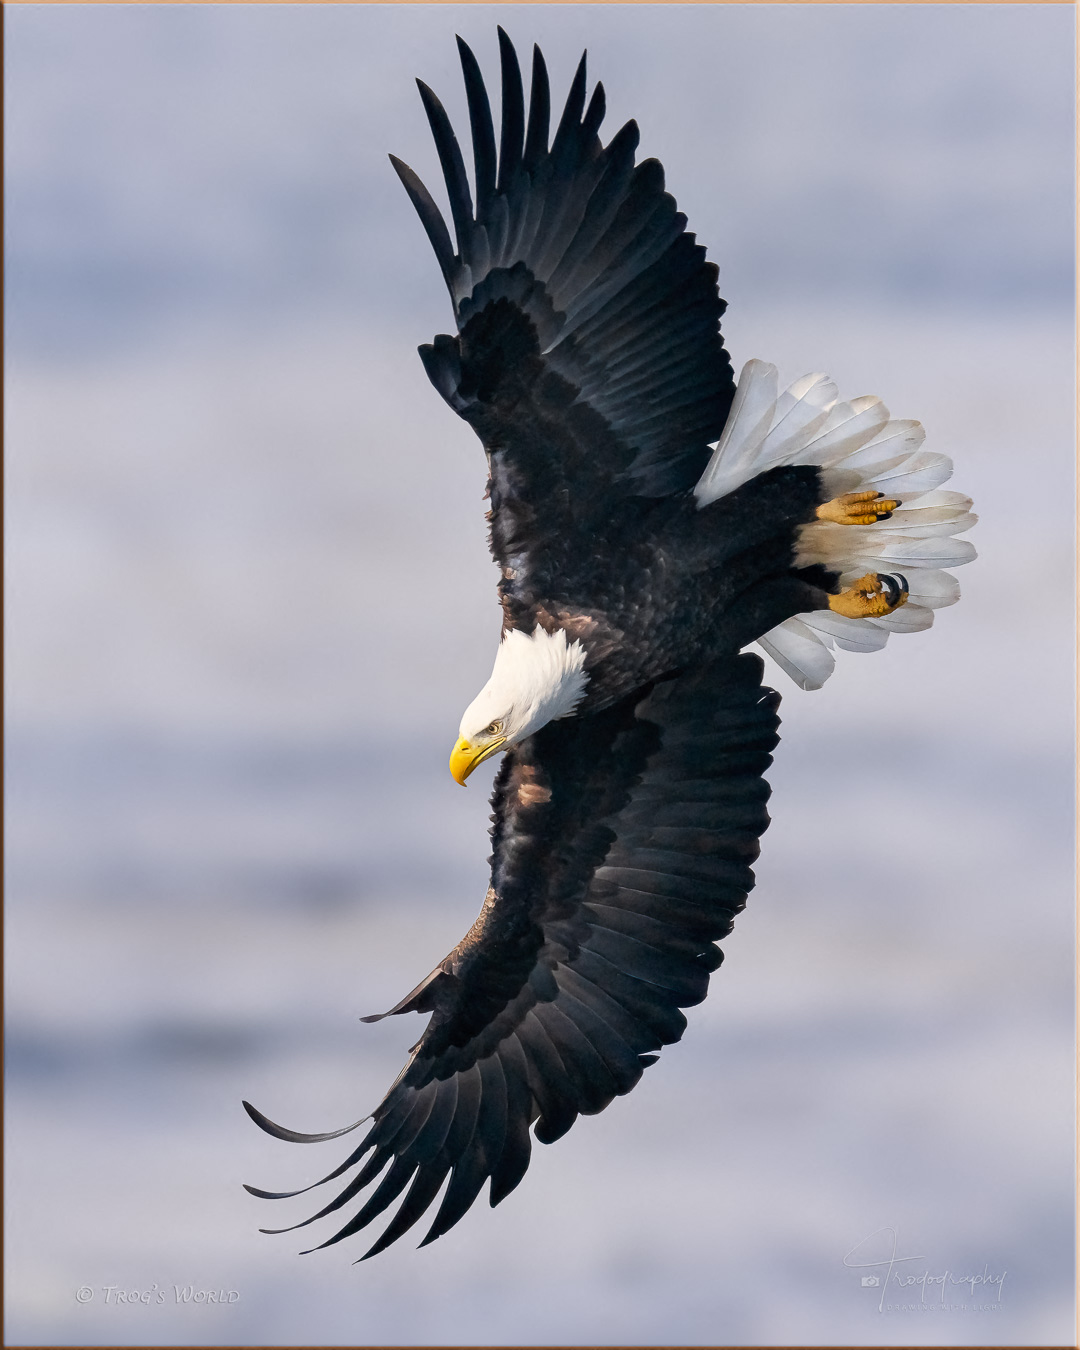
623	844
588	357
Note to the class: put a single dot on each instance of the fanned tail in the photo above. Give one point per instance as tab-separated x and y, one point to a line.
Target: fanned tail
861	449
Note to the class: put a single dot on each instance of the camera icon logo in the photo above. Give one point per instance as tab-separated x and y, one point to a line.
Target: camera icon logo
870	1281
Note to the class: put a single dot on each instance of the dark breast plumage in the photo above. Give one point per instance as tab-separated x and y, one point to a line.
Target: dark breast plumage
660	585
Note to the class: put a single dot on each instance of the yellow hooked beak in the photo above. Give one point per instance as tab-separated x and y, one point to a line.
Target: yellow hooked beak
466	755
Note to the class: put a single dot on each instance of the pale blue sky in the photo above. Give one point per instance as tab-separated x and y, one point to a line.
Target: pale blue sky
164	160
249	596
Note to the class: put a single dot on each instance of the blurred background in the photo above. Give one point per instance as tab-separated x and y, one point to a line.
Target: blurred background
248	596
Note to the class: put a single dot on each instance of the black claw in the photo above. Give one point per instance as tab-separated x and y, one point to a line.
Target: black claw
894	586
884	515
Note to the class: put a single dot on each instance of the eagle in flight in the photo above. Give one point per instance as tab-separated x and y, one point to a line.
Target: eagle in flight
650	518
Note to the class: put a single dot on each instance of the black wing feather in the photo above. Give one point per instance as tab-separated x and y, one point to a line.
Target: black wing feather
513	115
430	218
480	124
606	900
477	1161
457	184
551	1084
424	1189
635	1033
384	1195
517	1147
430	1141
573	257
536	136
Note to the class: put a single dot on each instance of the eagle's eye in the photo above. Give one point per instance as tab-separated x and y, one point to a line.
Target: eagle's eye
492	730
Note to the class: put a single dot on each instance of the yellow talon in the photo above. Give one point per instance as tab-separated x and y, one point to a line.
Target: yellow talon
870	597
853	508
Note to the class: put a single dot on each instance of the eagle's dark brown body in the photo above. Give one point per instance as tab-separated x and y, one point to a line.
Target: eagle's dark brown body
690	585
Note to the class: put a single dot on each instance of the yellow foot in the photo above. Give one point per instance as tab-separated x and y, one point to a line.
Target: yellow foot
871	596
857	508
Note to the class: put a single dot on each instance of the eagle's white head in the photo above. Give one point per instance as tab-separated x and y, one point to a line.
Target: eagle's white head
537	678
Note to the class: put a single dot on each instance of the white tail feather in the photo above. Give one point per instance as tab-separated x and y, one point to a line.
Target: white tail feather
861	449
748	424
935	590
909	618
799	653
846	429
850	634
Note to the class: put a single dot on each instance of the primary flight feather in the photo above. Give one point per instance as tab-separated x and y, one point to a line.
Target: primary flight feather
649	518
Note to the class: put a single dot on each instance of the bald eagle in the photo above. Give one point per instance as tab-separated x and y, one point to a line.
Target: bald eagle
650	519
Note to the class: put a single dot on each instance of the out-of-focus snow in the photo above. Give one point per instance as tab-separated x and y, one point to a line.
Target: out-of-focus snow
249	595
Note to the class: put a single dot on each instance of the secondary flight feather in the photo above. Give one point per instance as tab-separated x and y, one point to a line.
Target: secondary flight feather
650	518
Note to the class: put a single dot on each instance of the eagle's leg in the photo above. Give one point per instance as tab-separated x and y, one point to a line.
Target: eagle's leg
757	513
857	508
871	596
